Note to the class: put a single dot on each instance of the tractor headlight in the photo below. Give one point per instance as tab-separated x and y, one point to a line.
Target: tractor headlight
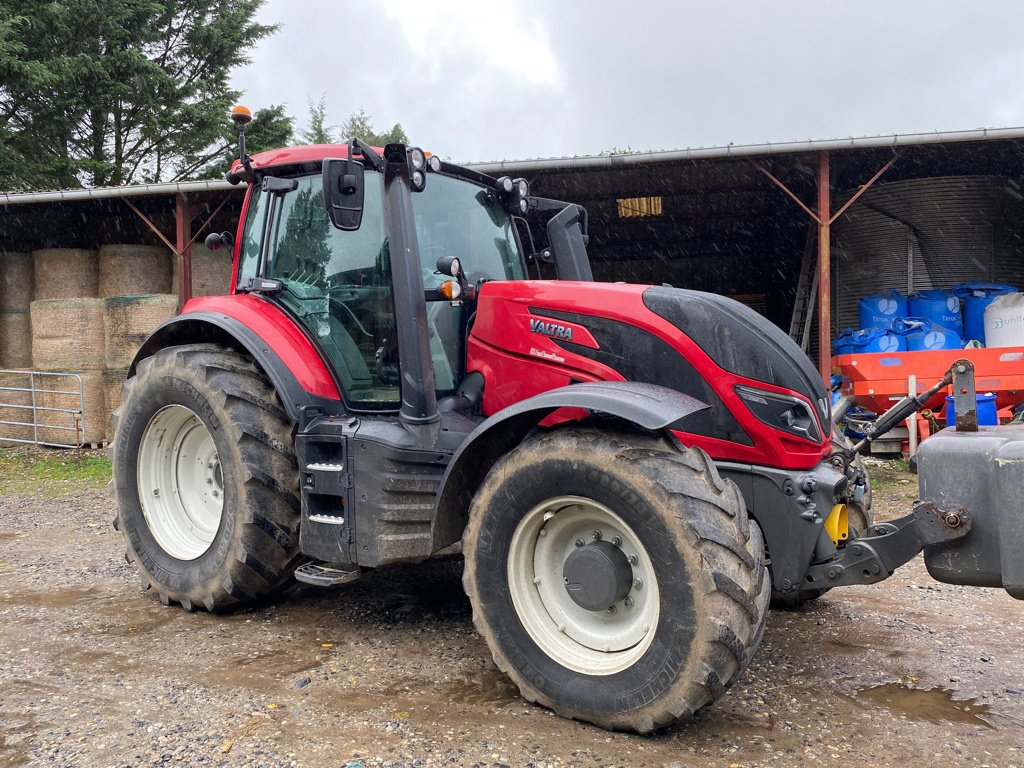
417	159
523	187
790	414
435	163
506	185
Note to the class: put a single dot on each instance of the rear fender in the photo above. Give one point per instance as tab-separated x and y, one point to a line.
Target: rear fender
297	373
648	406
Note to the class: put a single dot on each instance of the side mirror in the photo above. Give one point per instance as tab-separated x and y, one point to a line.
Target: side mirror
216	240
343	192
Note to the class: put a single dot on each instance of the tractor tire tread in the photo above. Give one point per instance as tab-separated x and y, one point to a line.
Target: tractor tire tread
266	541
711	518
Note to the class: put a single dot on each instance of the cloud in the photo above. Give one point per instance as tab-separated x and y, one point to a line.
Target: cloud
488	81
494	36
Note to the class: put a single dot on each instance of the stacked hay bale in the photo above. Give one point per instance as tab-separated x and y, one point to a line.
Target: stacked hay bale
65	273
130	270
113	381
211	271
68	340
78	317
15	296
129	322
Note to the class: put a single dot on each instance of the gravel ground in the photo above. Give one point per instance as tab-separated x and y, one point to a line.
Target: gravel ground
389	672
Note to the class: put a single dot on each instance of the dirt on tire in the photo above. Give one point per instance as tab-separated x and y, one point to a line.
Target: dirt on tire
256	546
695	528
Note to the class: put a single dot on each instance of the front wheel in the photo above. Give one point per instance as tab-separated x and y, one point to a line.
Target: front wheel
616	579
205	479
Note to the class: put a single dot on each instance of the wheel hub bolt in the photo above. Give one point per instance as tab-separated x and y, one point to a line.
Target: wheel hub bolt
580	543
611	609
596	535
638	583
633	559
617	541
628	602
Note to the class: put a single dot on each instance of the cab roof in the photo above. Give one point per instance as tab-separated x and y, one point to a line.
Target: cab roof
305	154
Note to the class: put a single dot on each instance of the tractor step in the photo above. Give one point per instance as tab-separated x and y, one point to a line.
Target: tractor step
327	574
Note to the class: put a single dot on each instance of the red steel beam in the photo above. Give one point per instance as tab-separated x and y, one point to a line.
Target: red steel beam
183	231
184	236
824	271
824	219
864	188
150	224
785	189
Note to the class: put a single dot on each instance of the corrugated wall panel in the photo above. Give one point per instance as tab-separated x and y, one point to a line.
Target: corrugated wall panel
926	233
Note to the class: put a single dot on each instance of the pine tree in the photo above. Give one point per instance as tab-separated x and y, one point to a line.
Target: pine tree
359	125
108	92
317	132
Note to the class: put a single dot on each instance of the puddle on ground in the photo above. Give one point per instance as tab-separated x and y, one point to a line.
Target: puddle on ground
489	688
132	614
263	671
934	705
58	598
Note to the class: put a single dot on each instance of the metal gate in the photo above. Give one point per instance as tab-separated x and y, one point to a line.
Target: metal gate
34	412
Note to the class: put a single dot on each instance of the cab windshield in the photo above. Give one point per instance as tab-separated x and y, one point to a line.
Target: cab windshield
338	284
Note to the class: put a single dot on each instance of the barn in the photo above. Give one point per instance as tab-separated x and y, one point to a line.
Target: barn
799	231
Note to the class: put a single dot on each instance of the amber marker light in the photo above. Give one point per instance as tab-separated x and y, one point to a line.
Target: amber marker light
450	289
241	115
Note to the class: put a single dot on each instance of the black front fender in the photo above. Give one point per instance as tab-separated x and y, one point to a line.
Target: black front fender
217	328
648	406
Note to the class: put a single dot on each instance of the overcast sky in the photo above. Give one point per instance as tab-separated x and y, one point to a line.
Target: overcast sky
484	80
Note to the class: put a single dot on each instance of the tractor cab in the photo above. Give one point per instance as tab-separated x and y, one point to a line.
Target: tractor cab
364	253
338	284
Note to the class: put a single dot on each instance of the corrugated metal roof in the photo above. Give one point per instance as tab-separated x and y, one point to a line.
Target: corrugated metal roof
100	193
576	162
895	140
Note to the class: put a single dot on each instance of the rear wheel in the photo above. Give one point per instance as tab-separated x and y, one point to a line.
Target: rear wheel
615	579
205	479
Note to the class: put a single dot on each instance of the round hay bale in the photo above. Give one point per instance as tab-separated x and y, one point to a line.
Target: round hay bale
15	340
65	273
15	407
211	271
62	417
134	269
113	381
67	334
15	281
129	322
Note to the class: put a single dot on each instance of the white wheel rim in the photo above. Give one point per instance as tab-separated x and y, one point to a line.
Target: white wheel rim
591	642
181	485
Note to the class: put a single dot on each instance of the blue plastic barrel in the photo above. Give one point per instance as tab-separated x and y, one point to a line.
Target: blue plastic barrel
941	307
879	309
923	335
977	296
868	340
987	413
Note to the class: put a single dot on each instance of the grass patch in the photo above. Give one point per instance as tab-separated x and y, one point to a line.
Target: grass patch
889	473
51	472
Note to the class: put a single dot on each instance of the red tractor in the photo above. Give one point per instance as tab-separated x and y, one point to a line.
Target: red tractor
385	381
